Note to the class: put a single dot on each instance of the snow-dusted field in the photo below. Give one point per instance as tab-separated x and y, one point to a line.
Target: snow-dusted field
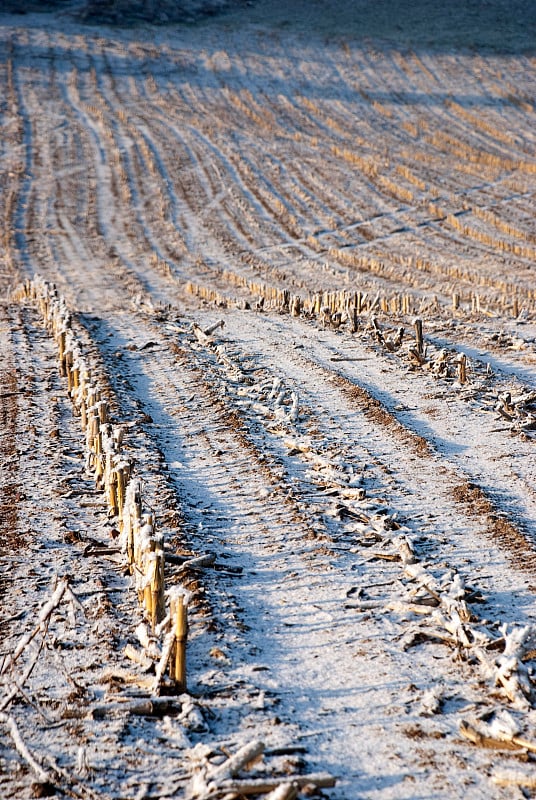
321	182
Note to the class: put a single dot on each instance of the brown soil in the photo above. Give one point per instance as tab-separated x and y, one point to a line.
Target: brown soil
477	504
9	485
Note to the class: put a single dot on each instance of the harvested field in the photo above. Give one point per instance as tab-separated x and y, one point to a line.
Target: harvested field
268	403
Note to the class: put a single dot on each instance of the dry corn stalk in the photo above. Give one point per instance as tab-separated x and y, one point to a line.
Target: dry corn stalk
514	778
179	622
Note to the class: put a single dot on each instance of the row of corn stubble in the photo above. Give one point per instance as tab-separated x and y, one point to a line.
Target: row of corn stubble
115	473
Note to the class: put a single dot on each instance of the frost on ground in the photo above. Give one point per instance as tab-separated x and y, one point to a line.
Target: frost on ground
293	255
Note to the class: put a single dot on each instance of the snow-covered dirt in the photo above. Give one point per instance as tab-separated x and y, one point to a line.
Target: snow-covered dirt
249	219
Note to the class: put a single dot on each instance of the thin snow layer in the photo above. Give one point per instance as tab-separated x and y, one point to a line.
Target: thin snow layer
371	509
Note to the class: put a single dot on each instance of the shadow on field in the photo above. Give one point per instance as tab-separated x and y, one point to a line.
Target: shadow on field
499	26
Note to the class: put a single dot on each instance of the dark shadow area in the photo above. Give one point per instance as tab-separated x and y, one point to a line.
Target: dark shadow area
496	26
122	12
